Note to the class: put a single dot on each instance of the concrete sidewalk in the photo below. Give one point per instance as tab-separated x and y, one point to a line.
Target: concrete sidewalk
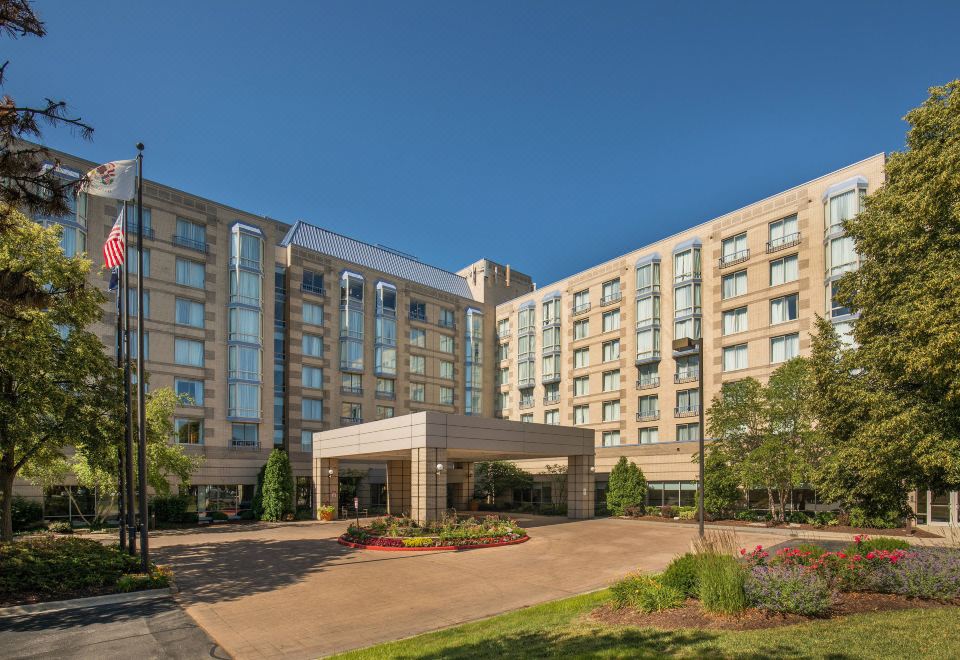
292	591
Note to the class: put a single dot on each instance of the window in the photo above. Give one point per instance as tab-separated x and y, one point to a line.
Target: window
611	438
502	376
312	314
581	329
688	401
312	345
245	287
189	391
688	328
312	282
243	362
581	301
312	409
648	343
735	320
734	249
188	431
581	358
526	320
648	375
783	270
503	328
243	400
841	207
551	311
313	377
648	278
648	406
581	386
686	300
648	435
688	432
131	261
551	366
648	311
243	325
551	417
418	310
611	411
551	393
189	313
386	299
417	392
446	344
188	352
503	401
611	350
386	387
244	436
351	289
418	364
783	309
734	284
446	396
686	265
688	367
841	256
581	414
306	440
351	383
735	357
384	412
526	418
525	374
784	348
503	352
611	292
446	318
190	273
351	412
844	330
783	232
611	380
133	301
191	234
611	320
446	369
250	249
418	337
551	339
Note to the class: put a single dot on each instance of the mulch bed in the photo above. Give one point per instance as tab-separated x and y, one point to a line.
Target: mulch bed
914	532
692	616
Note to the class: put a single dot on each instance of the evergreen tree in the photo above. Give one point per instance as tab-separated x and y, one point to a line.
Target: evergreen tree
277	486
626	488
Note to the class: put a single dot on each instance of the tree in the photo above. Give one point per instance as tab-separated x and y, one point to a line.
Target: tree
721	488
277	487
906	291
494	477
766	433
558	482
627	487
57	385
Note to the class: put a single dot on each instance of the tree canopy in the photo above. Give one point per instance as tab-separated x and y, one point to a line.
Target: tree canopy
491	478
626	488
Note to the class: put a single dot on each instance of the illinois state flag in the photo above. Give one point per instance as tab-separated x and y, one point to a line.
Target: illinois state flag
116	180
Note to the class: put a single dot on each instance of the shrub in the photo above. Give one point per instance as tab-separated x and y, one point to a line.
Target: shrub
60	527
159	578
931	573
687	513
865	544
722	584
170	508
645	593
246	514
788	590
257	505
887	520
626	487
277	487
721	490
218	515
683	574
24	513
190	518
635	511
668	511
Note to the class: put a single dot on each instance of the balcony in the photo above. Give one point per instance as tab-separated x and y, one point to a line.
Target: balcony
648	383
183	241
314	289
551	398
648	415
418	316
783	242
347	421
686	411
351	391
734	258
249	445
686	376
611	299
386	396
644	357
580	309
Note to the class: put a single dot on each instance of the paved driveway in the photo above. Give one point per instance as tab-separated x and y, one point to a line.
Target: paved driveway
292	591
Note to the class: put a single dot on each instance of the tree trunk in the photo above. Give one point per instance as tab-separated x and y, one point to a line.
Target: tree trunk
773	507
6	485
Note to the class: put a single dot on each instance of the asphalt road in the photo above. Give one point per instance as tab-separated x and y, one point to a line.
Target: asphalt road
151	629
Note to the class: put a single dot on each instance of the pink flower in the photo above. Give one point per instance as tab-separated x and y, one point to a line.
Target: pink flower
841	555
870	555
743	551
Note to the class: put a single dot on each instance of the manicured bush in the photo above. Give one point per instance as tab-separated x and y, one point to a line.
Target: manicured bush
931	573
687	513
886	520
634	511
25	514
668	511
645	593
721	584
159	578
257	505
626	487
218	515
788	590
865	544
60	527
170	508
683	574
277	487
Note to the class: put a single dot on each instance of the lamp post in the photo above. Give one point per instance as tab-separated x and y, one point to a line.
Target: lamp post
439	470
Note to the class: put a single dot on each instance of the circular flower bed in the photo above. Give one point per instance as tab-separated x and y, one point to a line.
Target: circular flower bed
450	533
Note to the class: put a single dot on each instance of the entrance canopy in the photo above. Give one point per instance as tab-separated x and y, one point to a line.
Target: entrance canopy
418	447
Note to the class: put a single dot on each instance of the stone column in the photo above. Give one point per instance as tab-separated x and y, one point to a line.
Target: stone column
580	486
428	492
327	485
398	487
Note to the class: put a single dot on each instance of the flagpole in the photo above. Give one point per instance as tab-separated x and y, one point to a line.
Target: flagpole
121	292
131	521
141	391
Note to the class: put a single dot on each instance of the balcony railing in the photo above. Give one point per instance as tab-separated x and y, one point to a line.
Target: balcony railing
783	242
527	330
648	415
418	316
314	289
686	411
352	391
611	299
344	421
580	309
346	365
550	378
132	232
648	383
245	444
686	376
450	325
734	258
528	355
680	278
551	321
386	396
503	334
526	382
551	398
526	403
183	241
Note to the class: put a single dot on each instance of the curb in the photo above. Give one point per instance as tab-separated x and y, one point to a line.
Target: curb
436	548
80	603
774	531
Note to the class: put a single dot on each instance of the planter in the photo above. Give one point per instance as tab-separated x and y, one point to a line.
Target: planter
325	515
344	540
474	505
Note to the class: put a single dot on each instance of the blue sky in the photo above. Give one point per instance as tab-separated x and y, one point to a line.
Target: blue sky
549	135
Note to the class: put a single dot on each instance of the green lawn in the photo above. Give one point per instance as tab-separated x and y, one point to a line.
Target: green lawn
560	629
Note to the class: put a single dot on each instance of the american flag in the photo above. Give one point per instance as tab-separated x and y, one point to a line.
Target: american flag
114	250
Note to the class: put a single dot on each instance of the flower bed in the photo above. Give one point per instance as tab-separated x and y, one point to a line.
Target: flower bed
450	533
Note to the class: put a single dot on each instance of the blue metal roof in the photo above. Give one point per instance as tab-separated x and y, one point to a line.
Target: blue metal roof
363	254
